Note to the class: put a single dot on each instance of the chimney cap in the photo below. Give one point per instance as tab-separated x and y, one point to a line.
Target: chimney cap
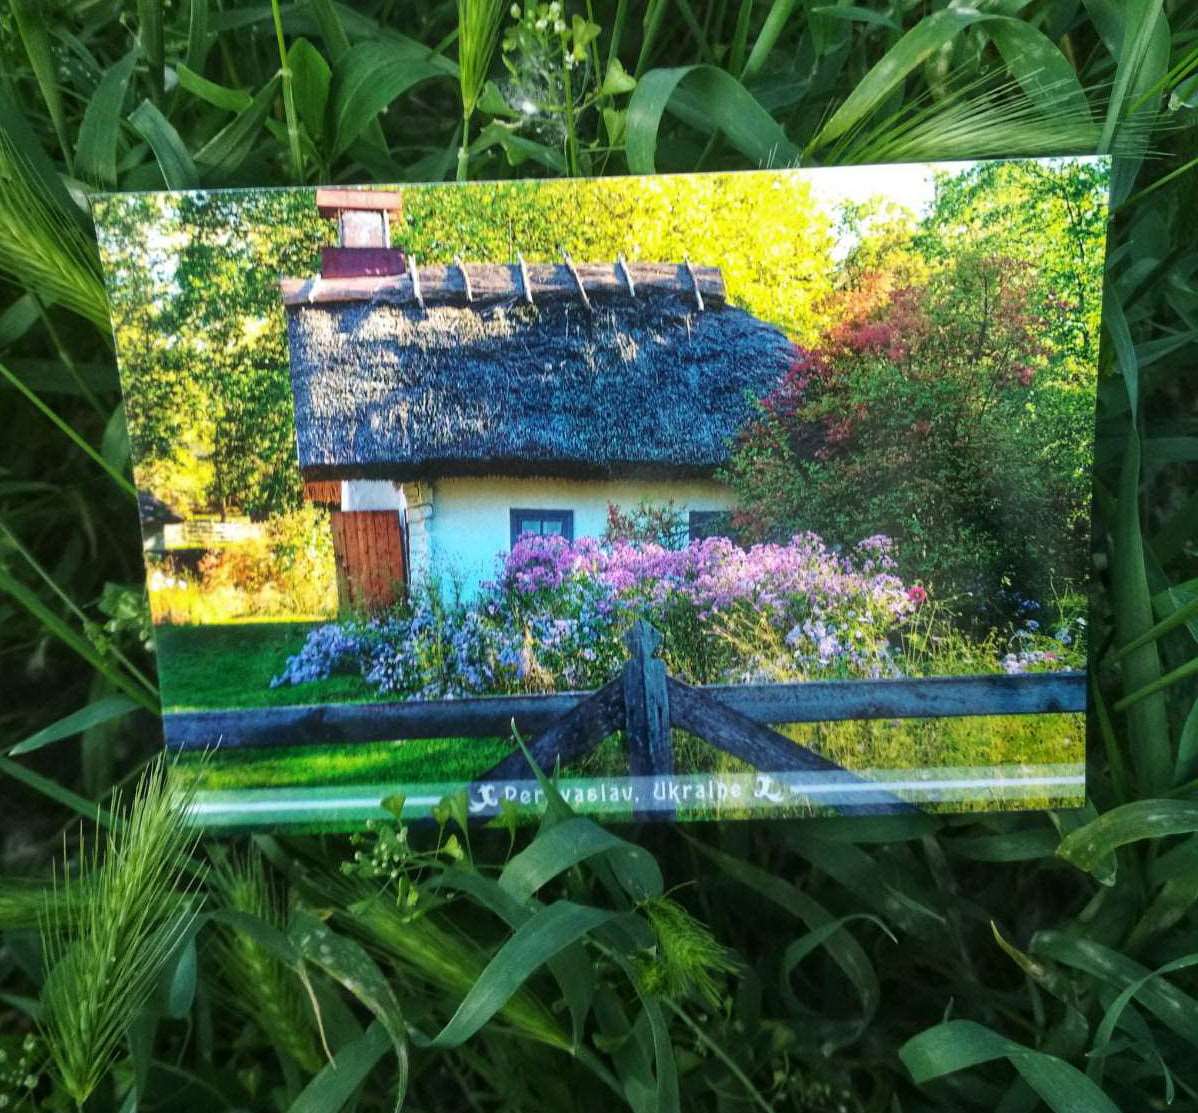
329	202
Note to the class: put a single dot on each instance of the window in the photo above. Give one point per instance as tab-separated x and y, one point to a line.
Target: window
543	522
707	523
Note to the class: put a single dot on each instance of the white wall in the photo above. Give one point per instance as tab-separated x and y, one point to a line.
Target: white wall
470	521
371	494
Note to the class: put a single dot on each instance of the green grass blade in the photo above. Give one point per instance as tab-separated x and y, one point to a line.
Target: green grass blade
337	1081
767	38
153	43
30	18
711	100
546	934
1043	72
564	845
370	75
1141	819
1147	720
1132	75
99	133
220	96
224	153
929	35
103	710
68	430
52	790
178	169
960	1044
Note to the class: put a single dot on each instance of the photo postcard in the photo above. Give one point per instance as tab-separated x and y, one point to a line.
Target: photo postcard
732	495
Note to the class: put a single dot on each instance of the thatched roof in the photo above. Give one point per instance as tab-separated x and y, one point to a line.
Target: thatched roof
454	372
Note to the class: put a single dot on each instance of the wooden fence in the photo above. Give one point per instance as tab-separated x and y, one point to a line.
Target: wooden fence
646	704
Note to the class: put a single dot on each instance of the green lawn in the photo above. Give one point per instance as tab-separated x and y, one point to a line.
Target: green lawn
232	666
211	667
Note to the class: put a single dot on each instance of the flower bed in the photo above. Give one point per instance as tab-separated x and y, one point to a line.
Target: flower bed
555	614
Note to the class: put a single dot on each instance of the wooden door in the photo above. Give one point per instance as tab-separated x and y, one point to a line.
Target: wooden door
372	571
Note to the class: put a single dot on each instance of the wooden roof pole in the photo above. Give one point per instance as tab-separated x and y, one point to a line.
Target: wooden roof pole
582	290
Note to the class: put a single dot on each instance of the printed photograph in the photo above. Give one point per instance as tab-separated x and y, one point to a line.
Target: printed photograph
738	495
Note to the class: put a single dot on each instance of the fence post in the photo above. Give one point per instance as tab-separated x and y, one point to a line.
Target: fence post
646	709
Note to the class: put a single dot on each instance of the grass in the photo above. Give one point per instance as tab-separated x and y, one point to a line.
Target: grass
229	666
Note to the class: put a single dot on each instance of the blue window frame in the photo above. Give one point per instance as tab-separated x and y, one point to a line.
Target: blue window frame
543	522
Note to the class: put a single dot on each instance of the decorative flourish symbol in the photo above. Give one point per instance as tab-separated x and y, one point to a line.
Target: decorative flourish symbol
765	788
489	798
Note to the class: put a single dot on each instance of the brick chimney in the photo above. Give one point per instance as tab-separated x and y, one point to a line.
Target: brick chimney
363	232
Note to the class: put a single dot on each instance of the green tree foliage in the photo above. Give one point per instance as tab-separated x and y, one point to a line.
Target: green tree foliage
199	323
772	243
951	404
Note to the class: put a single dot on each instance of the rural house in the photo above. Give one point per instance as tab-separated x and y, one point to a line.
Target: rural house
442	411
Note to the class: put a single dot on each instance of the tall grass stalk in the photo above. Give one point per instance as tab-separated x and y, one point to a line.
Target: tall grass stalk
105	957
257	984
478	36
43	248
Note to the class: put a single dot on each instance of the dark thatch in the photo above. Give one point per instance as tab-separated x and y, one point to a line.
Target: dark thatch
645	385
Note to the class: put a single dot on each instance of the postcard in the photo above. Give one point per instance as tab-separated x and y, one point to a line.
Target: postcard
713	496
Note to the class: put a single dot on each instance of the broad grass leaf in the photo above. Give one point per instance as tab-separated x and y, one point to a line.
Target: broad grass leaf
912	50
960	1044
854	13
1038	65
571	968
1104	870
1177	1010
340	1078
1009	846
310	81
708	99
18	318
229	147
220	96
180	977
1114	1013
99	133
1147	720
841	946
198	39
556	849
1141	819
370	75
547	933
178	169
896	895
30	17
798	949
1187	747
52	790
101	711
346	962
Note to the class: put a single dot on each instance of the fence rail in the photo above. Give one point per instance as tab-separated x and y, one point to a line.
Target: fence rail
646	704
489	716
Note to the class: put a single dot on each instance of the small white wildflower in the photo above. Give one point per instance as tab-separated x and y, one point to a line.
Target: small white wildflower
541	24
515	11
560	26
